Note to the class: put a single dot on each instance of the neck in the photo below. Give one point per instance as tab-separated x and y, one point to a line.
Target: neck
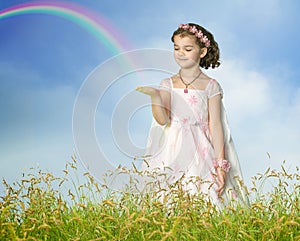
190	73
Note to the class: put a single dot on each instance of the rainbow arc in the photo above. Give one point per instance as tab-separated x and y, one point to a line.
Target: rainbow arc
93	23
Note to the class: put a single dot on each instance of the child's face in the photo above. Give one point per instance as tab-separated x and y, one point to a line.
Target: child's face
187	52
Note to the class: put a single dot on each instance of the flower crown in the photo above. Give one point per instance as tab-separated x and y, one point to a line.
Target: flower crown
197	33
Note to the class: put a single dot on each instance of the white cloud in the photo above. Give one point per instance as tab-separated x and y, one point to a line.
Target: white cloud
37	123
247	91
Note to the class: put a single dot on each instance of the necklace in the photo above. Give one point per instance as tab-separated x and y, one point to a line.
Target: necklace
188	84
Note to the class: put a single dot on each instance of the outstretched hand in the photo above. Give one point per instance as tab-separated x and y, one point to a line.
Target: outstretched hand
147	90
221	181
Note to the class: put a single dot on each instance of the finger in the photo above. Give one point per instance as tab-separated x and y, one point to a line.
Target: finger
139	88
221	187
220	191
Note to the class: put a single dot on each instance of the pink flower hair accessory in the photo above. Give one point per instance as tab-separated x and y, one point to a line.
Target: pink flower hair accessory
223	164
198	33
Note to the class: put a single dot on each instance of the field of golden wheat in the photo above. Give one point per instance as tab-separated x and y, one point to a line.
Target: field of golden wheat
41	206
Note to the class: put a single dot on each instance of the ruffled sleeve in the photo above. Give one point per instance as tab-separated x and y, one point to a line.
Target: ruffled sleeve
166	84
214	89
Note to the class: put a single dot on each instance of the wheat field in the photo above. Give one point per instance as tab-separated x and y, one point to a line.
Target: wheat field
43	207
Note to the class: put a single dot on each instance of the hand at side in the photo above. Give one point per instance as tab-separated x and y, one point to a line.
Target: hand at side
221	181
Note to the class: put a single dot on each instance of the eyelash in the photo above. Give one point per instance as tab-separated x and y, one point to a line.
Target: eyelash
188	50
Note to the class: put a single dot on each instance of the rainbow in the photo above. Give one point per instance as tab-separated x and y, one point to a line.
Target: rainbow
95	24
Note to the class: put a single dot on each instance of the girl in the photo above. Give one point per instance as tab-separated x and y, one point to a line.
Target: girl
194	140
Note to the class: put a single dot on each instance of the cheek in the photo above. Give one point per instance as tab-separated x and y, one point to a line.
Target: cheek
195	56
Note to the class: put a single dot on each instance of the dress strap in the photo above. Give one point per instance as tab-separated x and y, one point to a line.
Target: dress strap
171	82
211	81
166	84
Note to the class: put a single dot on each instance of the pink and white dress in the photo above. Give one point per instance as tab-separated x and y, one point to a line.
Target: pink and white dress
185	147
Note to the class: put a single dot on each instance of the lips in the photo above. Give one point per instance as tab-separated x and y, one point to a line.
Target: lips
182	59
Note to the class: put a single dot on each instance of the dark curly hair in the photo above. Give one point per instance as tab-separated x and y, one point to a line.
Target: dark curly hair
212	58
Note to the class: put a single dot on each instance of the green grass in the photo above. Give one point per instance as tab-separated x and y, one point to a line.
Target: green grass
36	209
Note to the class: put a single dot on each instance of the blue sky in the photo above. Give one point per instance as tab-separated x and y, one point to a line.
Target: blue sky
44	60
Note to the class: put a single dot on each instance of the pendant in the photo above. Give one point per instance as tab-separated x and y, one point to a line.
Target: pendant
186	90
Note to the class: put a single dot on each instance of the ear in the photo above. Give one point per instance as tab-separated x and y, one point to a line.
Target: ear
203	52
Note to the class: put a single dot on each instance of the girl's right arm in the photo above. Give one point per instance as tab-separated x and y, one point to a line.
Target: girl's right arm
160	99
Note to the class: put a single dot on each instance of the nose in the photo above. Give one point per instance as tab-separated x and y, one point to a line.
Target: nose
180	53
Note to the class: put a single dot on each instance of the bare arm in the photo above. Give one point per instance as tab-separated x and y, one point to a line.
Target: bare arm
215	125
160	100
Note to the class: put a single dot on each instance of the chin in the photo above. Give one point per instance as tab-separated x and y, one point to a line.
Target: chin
186	64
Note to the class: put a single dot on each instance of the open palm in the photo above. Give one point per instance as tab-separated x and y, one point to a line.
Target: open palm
148	90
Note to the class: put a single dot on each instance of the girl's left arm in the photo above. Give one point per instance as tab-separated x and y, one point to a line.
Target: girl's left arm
215	125
217	134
